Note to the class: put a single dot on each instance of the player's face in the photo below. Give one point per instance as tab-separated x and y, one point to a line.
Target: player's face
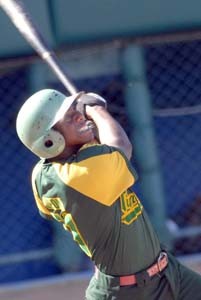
75	128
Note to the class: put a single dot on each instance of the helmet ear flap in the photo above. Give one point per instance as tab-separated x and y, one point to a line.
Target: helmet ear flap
51	144
54	143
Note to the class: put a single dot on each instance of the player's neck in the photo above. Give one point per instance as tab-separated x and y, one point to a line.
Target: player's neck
68	151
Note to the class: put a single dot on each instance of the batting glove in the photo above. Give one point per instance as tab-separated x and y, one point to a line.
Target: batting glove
90	99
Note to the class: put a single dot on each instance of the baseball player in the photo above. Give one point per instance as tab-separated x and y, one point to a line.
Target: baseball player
84	180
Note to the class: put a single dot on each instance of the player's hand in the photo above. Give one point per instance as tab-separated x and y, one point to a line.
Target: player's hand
89	99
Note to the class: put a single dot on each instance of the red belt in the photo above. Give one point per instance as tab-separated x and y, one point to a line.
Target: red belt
145	275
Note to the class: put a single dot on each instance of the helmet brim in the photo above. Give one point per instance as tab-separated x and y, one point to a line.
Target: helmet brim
66	104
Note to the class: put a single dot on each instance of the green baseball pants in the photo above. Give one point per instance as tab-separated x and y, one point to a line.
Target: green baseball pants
176	282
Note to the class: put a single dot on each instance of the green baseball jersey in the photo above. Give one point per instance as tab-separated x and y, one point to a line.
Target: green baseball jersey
90	194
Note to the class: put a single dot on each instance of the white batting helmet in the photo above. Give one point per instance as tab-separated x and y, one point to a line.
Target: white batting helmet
36	118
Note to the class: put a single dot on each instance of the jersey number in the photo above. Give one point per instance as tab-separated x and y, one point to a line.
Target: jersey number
58	212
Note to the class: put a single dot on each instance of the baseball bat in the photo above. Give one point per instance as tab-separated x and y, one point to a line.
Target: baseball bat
20	17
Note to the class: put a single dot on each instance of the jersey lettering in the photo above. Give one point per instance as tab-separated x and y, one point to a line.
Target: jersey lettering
55	207
131	207
71	226
58	212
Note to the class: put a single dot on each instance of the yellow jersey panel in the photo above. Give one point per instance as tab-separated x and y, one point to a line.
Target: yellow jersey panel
39	202
103	178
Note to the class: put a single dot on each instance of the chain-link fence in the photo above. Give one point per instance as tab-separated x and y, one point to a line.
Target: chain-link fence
174	79
173	73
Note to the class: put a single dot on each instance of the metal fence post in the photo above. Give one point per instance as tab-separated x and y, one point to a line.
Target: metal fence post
139	110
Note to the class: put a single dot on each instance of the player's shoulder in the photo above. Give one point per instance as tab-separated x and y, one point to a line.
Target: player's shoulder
36	168
41	167
93	150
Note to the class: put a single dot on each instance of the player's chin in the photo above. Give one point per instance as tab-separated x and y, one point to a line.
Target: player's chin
87	133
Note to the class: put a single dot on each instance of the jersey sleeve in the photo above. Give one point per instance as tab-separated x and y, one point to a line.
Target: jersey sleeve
44	212
102	173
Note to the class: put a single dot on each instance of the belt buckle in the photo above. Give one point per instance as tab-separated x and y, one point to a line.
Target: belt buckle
161	256
142	278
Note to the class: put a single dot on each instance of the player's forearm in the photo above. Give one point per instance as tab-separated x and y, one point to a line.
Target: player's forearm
110	131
